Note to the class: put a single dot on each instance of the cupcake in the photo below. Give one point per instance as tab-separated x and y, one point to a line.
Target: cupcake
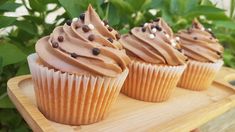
156	62
205	57
78	70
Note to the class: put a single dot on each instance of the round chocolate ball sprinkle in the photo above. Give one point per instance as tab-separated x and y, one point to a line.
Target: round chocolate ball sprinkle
158	28
85	28
110	29
77	26
55	44
91	37
69	22
110	40
60	38
82	16
143	29
91	26
154	30
180	50
146	24
189	30
167	35
212	34
74	55
151	36
156	20
177	38
152	26
118	36
95	51
195	38
75	19
105	22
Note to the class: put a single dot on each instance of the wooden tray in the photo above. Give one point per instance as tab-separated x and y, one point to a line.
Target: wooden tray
184	111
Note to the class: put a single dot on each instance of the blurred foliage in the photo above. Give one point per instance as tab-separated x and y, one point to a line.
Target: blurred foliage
24	31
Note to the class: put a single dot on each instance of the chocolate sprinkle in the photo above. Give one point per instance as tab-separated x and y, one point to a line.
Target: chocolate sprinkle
130	32
110	29
77	26
74	55
68	22
82	16
189	30
55	45
180	50
195	25
60	38
152	26
158	28
91	37
95	51
218	53
85	28
212	34
110	40
143	29
118	36
156	20
195	38
105	22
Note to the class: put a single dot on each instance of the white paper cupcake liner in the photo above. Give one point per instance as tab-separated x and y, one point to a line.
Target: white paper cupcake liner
152	83
199	75
72	99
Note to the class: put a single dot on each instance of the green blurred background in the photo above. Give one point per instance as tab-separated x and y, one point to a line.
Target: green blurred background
23	22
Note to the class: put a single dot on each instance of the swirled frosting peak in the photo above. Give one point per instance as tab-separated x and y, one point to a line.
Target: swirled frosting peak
200	44
154	43
84	46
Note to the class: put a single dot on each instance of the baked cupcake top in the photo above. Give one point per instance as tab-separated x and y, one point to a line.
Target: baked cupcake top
154	43
200	44
85	46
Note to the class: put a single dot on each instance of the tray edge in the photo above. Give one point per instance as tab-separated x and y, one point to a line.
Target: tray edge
174	125
37	121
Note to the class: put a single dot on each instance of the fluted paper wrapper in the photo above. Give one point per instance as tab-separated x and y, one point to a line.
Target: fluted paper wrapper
199	75
72	99
152	83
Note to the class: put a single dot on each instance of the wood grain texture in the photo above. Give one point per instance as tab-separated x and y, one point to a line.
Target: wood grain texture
184	111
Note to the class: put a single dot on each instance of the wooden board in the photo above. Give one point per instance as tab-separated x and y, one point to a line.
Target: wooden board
184	111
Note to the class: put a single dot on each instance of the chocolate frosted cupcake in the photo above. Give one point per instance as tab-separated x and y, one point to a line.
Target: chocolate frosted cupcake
157	62
205	57
78	70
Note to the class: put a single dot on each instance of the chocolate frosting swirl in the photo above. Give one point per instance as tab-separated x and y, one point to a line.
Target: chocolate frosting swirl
86	46
154	43
200	44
